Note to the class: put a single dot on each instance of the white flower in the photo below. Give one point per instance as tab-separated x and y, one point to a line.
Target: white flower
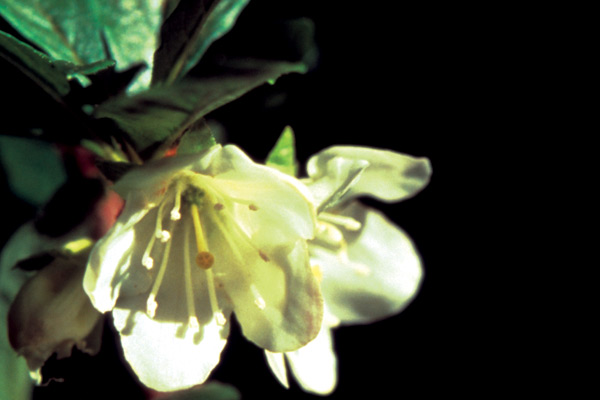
46	310
368	267
202	236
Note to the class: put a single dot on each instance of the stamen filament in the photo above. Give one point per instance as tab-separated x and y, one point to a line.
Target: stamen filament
348	223
151	304
212	296
189	290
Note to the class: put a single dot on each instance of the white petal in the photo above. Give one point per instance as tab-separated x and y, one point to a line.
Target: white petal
276	300
315	365
111	257
390	176
168	356
331	178
272	207
276	362
379	278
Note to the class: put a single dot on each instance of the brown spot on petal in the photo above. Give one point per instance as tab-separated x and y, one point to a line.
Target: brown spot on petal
219	206
263	256
253	207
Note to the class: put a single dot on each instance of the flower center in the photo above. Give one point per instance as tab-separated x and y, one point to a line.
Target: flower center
193	197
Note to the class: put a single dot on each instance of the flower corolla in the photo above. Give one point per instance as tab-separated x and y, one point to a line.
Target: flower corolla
368	267
203	236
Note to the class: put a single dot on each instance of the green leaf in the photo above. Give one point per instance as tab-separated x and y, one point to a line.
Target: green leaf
197	139
75	31
283	155
131	29
156	119
35	65
208	391
33	168
189	31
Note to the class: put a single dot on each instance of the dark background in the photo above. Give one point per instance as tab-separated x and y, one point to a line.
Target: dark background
404	79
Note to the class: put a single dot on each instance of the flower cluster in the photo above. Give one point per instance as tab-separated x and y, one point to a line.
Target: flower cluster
205	236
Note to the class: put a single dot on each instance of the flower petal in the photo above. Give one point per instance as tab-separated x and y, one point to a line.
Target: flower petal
276	362
276	299
111	257
379	277
390	176
261	198
165	355
331	178
315	365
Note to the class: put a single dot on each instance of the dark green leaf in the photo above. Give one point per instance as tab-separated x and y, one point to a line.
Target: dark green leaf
33	169
283	155
189	31
157	118
35	65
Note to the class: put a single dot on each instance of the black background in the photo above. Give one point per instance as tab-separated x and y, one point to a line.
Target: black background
403	79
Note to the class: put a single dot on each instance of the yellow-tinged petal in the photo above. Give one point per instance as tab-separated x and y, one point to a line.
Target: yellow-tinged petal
390	176
315	365
377	275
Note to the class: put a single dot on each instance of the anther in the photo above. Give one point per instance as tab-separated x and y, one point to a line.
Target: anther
151	305
164	236
147	261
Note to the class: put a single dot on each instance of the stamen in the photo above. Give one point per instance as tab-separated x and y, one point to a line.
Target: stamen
348	223
200	239
164	236
147	261
151	304
205	261
161	234
189	289
212	296
329	234
175	214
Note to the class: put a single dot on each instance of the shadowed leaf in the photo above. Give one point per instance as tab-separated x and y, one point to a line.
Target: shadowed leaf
156	119
189	31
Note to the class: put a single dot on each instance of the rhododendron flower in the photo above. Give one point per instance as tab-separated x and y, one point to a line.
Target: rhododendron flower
368	267
52	313
200	237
